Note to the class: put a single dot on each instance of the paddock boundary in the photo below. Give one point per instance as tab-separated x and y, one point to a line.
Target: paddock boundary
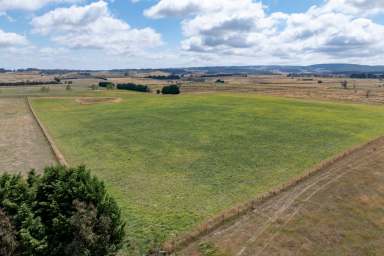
55	150
179	242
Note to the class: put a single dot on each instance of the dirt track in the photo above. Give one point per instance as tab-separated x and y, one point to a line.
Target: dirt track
22	144
298	221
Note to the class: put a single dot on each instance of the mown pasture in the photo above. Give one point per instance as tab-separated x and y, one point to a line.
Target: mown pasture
174	161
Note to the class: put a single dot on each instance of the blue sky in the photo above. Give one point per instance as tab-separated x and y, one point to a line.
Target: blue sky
101	34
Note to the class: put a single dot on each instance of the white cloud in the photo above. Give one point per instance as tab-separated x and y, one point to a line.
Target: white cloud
29	5
338	29
11	39
93	26
356	7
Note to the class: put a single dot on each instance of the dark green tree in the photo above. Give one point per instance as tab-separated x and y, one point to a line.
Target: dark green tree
171	89
65	211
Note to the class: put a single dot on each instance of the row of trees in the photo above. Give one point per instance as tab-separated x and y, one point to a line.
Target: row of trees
25	83
133	87
169	77
65	211
169	89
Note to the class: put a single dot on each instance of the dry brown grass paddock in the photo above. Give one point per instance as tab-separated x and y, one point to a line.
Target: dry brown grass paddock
359	90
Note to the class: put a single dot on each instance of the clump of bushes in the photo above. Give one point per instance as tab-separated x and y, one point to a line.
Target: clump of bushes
133	87
107	85
219	81
65	211
171	89
344	84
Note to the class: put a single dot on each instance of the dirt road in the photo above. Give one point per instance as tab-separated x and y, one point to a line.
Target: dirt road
339	211
22	144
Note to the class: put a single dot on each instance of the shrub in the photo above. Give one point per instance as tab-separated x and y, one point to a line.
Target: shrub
110	86
158	91
344	84
63	212
106	84
94	87
133	87
219	81
171	89
68	87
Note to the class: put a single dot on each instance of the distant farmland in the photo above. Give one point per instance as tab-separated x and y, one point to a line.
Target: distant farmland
172	162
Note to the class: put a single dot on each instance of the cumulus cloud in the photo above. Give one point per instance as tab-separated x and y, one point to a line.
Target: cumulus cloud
11	39
356	7
93	26
336	29
29	5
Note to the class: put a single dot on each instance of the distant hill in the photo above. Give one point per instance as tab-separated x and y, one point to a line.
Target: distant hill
338	69
346	68
276	69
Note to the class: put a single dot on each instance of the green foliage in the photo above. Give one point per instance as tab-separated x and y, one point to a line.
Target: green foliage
171	89
219	81
107	85
68	87
133	87
110	86
63	212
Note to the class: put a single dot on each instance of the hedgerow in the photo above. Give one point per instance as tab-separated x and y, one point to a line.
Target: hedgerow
133	87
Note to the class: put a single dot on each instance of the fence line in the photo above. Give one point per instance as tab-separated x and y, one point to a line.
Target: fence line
211	224
55	150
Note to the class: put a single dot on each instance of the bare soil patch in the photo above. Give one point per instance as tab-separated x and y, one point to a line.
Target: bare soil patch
22	145
336	212
97	100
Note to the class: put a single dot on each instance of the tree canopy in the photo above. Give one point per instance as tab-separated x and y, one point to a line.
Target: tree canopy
64	211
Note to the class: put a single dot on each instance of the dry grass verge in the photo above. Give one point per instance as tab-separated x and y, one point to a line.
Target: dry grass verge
55	150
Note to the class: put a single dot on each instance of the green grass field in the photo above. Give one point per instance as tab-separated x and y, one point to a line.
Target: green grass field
172	162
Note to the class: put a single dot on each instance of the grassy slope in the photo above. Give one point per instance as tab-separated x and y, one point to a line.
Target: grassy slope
173	161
